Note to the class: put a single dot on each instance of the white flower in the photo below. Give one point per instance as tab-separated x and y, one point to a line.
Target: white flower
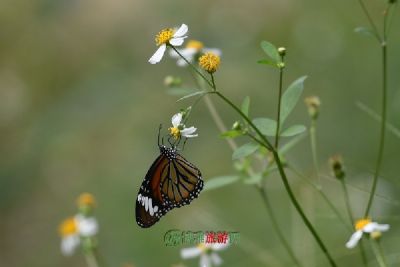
69	243
179	129
192	50
87	226
207	253
72	229
168	37
365	226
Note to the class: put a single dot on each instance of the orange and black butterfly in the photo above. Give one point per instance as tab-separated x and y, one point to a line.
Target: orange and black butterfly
171	182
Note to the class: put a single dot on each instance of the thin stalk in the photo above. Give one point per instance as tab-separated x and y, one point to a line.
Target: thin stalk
276	227
313	139
380	258
222	128
371	22
324	197
382	131
278	119
91	259
285	181
351	217
268	145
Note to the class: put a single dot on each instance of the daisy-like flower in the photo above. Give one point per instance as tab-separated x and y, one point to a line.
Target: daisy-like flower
365	226
178	129
167	37
206	252
69	236
192	52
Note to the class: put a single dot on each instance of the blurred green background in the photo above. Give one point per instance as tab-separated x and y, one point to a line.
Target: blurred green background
80	108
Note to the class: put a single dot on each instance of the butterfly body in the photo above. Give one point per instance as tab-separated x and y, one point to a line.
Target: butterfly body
171	182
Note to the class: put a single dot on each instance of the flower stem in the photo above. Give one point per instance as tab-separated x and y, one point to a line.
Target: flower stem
278	119
91	259
275	225
268	145
285	181
383	129
351	217
380	258
371	22
313	138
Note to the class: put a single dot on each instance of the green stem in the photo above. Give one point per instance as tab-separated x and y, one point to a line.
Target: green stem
268	145
275	225
382	132
351	217
285	181
91	259
380	258
191	65
324	197
278	119
313	137
371	22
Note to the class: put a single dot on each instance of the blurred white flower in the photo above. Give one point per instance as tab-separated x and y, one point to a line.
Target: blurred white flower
178	128
365	226
168	37
72	229
191	52
206	252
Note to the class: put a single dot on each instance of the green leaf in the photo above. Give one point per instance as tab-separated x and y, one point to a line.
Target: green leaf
364	31
267	62
220	181
192	95
293	130
291	97
179	91
246	105
255	179
244	151
231	134
266	126
271	51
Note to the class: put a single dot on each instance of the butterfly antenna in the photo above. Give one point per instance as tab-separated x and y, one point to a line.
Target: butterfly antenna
159	131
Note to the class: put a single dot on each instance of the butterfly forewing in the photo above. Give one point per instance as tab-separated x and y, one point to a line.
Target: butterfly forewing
171	182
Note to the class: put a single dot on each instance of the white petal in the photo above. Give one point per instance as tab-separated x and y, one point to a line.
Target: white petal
177	41
188	131
176	119
354	239
382	227
216	51
188	253
370	227
158	55
205	261
183	29
87	226
182	63
216	259
69	244
173	54
220	246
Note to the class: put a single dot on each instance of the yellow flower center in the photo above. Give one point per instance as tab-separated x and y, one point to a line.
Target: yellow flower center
360	224
68	227
195	44
175	132
86	199
209	62
164	36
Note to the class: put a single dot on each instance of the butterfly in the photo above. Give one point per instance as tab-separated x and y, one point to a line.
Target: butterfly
171	182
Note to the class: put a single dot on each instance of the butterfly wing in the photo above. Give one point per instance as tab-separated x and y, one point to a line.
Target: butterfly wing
181	183
171	182
149	203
